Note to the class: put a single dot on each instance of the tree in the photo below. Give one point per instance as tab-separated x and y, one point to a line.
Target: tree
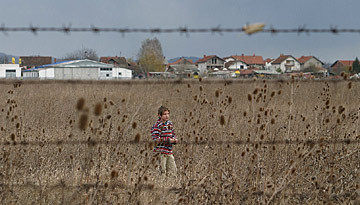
150	56
356	66
4	59
84	53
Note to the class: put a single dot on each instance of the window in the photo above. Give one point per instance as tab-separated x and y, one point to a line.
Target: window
107	75
106	69
213	60
10	73
120	74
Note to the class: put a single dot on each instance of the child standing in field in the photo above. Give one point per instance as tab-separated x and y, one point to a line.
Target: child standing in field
162	132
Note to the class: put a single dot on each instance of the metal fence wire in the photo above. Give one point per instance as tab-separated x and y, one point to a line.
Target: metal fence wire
247	29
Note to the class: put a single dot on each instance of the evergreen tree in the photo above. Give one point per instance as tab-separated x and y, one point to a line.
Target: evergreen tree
356	66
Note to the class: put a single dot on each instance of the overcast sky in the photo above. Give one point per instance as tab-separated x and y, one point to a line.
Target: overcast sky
175	13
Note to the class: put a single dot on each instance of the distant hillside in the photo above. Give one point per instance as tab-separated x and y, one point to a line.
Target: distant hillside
8	58
194	59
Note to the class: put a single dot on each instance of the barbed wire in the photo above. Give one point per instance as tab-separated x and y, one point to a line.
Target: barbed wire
248	29
92	142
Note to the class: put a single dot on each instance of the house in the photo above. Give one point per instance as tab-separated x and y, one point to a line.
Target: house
210	63
285	63
182	68
236	65
309	62
340	66
78	70
33	61
120	62
10	71
268	63
250	61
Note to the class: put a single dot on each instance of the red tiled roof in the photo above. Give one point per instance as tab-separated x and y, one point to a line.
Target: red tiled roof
250	60
179	60
247	71
119	60
303	59
281	58
346	62
268	60
205	59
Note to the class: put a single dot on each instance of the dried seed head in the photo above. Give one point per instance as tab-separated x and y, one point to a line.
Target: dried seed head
114	174
341	109
249	97
222	120
256	91
217	93
98	109
105	99
134	125
349	85
201	88
80	104
137	138
83	123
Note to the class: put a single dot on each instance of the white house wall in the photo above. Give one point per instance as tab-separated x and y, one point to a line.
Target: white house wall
202	68
237	66
77	73
312	62
282	65
4	67
46	73
122	73
296	66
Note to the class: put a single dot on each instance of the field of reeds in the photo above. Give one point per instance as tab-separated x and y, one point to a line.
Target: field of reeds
240	142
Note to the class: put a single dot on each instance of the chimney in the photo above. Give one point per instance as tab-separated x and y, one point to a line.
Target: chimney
242	54
254	54
204	56
54	60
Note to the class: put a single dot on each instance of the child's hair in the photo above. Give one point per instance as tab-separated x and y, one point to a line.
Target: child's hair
162	109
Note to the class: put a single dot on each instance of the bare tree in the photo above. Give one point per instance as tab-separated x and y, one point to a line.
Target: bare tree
150	56
84	53
4	59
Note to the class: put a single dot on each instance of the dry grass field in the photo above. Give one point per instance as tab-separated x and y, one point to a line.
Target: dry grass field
241	142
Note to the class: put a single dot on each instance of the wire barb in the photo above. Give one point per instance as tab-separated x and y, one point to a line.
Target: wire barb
247	29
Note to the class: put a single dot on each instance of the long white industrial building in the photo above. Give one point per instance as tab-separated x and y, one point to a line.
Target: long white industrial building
78	70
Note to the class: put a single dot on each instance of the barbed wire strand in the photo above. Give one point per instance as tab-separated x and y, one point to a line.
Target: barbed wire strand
182	30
